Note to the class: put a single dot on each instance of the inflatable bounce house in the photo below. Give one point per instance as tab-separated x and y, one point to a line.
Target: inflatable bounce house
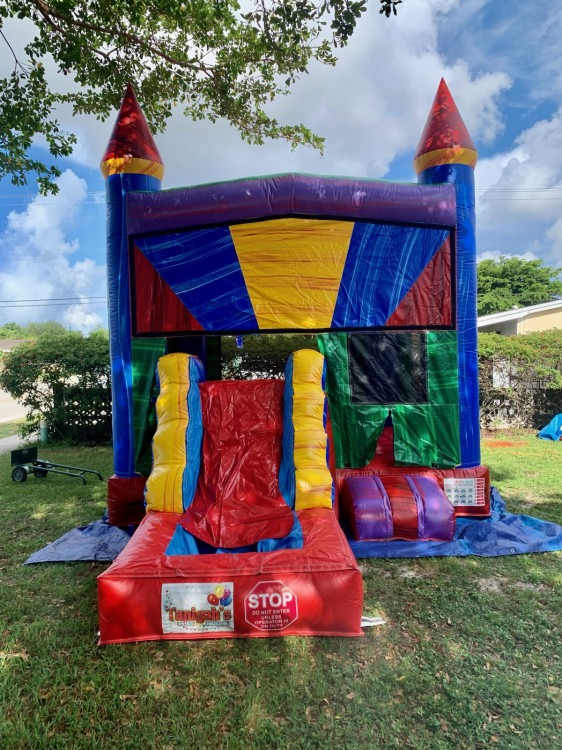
245	488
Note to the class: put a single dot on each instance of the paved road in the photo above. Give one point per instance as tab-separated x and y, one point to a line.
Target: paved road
10	409
9	444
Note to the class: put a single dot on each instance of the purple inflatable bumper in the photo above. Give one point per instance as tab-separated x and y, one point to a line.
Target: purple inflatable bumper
371	513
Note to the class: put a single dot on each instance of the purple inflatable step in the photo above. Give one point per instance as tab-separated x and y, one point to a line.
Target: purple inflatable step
436	514
369	510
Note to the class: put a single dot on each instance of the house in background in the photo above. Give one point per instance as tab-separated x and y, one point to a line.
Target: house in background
530	319
6	345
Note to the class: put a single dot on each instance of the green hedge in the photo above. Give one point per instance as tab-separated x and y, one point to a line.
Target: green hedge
63	379
520	378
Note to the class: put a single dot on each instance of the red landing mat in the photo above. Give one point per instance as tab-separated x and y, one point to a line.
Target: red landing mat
316	590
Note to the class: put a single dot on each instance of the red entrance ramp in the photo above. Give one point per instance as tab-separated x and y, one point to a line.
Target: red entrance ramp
238	501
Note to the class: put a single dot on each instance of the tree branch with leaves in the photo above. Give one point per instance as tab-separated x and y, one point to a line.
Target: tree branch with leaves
211	57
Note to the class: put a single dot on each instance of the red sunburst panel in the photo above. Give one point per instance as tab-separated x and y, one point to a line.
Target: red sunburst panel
158	310
428	303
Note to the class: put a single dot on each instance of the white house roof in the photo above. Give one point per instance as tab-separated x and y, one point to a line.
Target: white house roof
518	314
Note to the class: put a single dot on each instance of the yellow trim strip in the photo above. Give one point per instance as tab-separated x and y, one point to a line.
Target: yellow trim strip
455	155
131	165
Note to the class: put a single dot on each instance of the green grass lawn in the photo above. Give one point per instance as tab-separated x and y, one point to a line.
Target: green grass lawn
470	657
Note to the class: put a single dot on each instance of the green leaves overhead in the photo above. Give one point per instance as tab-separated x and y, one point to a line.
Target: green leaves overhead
213	58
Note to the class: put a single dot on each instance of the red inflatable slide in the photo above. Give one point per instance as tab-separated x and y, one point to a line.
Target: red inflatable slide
250	549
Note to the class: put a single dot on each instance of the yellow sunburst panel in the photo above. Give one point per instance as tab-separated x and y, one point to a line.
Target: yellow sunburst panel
293	269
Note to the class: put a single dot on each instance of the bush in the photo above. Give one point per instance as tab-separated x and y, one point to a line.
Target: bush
261	356
515	375
63	378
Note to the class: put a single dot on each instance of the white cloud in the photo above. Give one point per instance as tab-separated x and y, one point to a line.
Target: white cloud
521	194
554	236
41	222
38	263
496	255
78	319
520	38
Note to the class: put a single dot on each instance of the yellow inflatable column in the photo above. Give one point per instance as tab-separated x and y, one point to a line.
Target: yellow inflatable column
176	447
305	475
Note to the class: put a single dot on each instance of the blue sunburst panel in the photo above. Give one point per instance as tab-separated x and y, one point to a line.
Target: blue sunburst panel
383	263
202	268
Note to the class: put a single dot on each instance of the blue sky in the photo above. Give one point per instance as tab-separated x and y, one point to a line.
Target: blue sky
500	59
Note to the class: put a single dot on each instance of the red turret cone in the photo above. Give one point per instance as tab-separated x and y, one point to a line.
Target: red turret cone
131	147
445	138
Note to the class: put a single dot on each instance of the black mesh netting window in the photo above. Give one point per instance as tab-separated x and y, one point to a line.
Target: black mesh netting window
388	368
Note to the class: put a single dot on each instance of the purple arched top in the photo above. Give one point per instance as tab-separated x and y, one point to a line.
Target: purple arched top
291	194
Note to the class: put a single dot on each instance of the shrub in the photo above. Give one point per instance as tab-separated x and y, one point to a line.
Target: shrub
63	378
261	356
516	373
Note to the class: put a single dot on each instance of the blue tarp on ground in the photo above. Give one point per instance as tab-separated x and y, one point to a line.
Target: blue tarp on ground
96	542
501	534
553	430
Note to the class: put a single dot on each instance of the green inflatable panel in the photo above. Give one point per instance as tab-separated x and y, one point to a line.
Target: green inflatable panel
146	353
411	376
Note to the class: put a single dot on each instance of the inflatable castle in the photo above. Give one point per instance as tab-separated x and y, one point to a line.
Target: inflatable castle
248	493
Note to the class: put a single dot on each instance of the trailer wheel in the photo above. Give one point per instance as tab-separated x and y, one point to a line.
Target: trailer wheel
19	474
40	473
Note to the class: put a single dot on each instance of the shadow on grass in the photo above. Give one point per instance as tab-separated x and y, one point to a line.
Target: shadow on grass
500	475
545	510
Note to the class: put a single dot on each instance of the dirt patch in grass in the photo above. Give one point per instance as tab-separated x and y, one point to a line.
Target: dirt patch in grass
410	573
526	586
504	443
492	585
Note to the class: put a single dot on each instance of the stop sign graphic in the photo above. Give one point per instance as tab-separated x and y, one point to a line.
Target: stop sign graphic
271	605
